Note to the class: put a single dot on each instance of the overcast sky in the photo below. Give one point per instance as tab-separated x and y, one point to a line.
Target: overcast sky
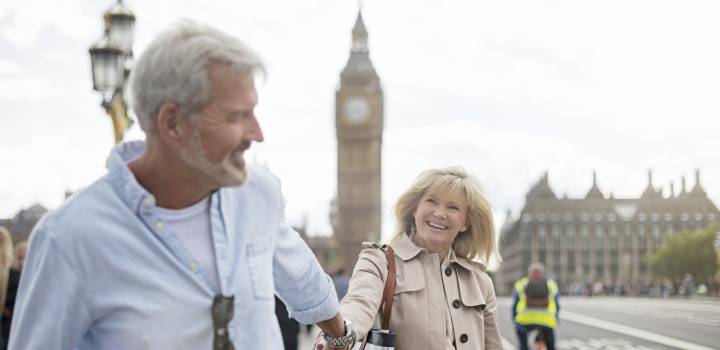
507	89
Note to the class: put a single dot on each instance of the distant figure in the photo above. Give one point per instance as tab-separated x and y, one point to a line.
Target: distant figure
342	283
688	285
13	281
536	305
597	288
6	261
288	326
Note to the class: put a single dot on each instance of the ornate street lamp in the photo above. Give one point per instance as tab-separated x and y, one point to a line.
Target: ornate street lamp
111	59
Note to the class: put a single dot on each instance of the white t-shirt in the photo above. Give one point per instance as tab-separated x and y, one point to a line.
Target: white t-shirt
191	225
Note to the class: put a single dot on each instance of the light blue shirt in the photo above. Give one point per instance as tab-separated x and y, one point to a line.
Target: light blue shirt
104	272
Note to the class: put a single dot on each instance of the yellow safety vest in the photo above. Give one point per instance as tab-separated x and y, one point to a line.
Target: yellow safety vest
536	316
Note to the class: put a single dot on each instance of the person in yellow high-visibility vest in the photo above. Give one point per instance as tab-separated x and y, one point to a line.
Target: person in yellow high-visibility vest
536	304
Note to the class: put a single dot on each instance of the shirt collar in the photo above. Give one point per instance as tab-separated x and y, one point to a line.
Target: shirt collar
406	249
123	180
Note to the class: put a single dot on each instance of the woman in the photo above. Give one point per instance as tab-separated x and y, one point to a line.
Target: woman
443	298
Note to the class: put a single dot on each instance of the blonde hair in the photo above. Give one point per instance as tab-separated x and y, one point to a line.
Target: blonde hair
478	241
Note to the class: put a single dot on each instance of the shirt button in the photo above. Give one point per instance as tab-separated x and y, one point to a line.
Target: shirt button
448	271
456	303
193	265
159	225
463	338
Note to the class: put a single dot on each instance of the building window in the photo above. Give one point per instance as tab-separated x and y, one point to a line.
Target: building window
570	234
584	237
668	217
641	217
656	234
613	237
628	236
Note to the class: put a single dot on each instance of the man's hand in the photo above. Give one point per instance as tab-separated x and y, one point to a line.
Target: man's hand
334	327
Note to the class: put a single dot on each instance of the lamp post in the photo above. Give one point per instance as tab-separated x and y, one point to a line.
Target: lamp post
111	60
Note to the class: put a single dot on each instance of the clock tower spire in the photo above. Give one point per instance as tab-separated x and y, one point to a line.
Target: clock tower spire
359	127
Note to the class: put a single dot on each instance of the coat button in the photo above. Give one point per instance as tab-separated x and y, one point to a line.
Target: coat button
456	304
448	271
463	338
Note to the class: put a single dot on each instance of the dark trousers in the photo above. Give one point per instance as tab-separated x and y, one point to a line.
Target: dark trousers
547	332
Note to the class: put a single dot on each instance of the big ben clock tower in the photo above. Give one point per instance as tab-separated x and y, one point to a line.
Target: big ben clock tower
359	125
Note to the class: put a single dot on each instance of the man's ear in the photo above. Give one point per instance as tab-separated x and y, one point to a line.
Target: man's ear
170	123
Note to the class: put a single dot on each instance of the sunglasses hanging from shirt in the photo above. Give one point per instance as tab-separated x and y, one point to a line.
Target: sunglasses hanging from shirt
223	310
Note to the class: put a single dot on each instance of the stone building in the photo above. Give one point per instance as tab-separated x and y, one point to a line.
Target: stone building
595	239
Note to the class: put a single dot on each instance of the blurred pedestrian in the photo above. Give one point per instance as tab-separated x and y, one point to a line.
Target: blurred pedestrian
688	285
536	305
289	328
13	281
6	261
342	283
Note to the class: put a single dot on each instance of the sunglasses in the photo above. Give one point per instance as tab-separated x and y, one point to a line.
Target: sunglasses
223	309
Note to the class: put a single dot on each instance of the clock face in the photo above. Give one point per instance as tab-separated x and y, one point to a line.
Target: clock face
356	109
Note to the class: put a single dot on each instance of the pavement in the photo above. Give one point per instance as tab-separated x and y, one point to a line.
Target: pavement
613	323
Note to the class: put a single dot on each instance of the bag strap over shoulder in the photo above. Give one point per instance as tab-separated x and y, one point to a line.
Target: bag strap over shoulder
387	300
386	306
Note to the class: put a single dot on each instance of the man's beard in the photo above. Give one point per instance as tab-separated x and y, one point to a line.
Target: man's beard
225	173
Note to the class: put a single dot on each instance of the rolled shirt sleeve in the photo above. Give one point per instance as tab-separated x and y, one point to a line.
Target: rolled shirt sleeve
300	281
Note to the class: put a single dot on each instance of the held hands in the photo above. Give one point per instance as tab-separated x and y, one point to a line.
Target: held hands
340	334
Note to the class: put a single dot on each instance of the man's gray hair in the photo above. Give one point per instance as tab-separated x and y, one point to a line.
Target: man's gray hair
175	67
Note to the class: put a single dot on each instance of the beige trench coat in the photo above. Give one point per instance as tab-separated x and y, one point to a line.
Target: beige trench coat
419	304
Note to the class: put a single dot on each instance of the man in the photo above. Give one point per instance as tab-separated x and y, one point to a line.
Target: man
536	303
181	245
